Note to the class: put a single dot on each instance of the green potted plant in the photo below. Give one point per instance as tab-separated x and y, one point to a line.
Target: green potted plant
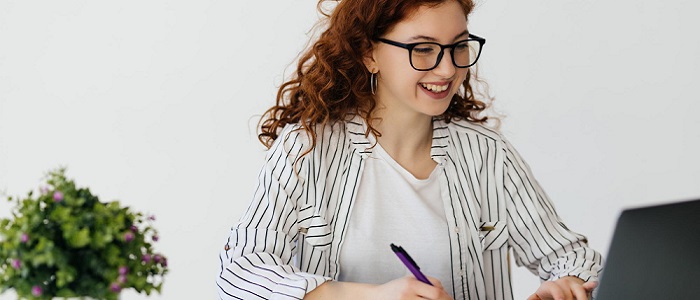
64	242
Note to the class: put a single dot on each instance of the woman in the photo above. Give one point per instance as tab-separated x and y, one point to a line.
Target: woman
379	139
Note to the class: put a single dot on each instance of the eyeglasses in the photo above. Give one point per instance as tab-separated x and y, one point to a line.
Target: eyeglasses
426	56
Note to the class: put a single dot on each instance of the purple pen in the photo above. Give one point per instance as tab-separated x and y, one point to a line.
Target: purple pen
410	263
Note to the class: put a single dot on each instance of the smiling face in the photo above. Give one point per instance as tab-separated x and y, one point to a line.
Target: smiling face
405	92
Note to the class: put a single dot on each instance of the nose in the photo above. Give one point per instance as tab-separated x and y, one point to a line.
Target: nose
445	67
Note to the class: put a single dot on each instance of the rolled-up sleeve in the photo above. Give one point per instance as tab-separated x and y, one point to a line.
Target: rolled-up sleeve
257	260
539	238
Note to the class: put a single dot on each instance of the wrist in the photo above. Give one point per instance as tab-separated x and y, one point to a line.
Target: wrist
342	290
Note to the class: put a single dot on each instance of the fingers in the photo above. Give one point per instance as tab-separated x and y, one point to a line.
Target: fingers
566	288
435	282
561	292
434	292
552	290
408	287
534	297
579	292
426	291
590	286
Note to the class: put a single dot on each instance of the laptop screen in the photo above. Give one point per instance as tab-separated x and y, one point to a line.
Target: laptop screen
654	254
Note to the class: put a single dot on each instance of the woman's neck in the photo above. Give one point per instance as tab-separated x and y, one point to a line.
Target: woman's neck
408	141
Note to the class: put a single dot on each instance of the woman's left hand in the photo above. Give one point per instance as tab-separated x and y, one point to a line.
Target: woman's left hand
565	288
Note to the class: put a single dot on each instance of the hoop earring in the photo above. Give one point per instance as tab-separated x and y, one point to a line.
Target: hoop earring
373	83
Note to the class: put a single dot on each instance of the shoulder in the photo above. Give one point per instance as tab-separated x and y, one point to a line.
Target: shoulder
295	139
291	136
495	139
464	127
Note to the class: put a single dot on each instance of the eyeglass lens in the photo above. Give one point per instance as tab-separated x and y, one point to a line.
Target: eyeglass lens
425	56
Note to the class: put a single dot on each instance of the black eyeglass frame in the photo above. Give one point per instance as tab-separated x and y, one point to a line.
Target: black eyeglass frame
410	47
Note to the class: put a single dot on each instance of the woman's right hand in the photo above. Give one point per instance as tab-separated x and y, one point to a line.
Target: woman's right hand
408	287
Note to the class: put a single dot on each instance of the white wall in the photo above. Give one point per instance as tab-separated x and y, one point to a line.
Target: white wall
155	103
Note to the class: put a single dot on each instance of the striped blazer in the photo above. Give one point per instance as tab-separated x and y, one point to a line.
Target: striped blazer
288	240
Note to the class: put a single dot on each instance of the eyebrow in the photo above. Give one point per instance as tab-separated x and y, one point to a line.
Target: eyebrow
432	39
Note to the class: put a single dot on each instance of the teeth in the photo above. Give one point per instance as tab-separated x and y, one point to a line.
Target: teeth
435	88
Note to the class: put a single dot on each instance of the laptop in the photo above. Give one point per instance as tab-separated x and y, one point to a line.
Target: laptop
654	254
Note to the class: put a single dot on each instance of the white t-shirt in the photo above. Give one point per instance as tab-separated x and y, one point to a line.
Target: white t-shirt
393	206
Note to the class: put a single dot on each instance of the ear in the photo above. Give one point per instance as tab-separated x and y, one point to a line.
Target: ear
370	62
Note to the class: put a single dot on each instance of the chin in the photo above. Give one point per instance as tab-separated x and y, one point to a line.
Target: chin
436	111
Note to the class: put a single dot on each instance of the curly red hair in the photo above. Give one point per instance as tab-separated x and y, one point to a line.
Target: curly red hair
331	80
